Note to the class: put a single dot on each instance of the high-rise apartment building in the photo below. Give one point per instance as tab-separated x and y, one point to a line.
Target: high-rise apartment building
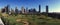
16	10
7	9
23	9
39	8
46	9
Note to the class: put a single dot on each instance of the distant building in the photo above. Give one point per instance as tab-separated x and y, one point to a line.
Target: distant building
7	9
39	9
20	12
46	9
16	10
26	10
22	9
2	10
12	11
33	10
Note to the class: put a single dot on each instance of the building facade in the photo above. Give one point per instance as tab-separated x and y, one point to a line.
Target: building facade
7	9
46	8
16	10
39	9
22	9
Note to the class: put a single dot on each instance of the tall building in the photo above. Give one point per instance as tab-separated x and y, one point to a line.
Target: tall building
22	9
39	8
16	10
7	9
46	9
2	10
32	10
12	11
26	10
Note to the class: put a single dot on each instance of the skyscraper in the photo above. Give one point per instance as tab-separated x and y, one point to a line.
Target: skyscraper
7	9
46	9
39	9
26	10
12	11
23	9
16	10
32	10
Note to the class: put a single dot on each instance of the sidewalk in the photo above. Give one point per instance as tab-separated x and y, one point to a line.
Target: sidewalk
1	23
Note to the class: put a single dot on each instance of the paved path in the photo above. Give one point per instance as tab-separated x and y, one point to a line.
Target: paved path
1	23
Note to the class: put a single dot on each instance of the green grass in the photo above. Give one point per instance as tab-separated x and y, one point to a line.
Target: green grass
38	20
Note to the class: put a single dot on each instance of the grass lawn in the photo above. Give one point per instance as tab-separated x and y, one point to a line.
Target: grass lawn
32	20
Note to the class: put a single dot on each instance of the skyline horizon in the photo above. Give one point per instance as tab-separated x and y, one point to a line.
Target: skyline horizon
31	8
54	5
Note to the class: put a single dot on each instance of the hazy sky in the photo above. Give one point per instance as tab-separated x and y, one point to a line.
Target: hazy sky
54	5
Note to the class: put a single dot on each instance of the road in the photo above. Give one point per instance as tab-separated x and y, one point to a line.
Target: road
1	23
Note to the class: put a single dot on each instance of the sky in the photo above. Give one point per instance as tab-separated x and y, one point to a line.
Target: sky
54	5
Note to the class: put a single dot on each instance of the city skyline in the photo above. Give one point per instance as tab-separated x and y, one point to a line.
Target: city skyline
52	4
